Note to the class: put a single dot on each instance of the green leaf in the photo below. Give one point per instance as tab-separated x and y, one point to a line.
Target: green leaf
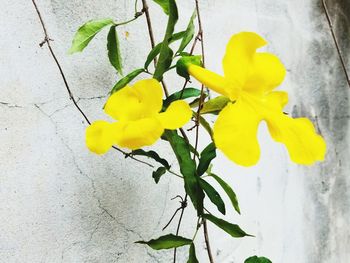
215	105
188	169
153	54
126	80
183	63
158	173
156	50
192	255
164	62
153	155
166	242
207	155
206	125
186	93
232	229
164	4
228	190
166	54
256	259
114	50
189	33
213	195
86	33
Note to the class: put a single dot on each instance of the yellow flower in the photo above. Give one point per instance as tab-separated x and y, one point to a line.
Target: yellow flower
139	121
248	81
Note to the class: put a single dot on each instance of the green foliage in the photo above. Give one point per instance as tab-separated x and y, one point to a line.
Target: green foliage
114	50
126	80
206	126
153	155
207	155
213	195
158	173
166	54
215	105
192	255
185	94
156	50
232	229
189	33
166	242
164	62
153	54
183	63
188	169
87	32
164	4
256	259
228	190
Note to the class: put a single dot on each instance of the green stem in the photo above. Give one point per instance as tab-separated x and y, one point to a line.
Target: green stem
137	15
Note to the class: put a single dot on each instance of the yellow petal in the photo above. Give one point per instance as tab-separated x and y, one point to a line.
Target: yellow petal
214	81
139	133
151	96
235	133
304	145
239	55
266	73
275	100
100	136
142	100
177	114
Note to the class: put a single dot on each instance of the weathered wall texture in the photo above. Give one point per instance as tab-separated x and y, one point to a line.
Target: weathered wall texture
60	203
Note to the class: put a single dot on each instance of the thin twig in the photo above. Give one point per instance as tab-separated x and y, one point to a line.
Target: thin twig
171	219
47	41
335	41
71	96
201	100
179	223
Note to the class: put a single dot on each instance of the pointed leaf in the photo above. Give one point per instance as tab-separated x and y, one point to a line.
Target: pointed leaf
180	95
192	255
189	33
166	54
164	4
126	80
256	259
156	50
206	126
164	62
213	195
215	105
188	169
114	49
86	33
158	173
232	229
166	242
207	155
153	54
153	155
228	190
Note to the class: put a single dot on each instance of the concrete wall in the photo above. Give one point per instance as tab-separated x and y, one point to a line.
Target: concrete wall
60	203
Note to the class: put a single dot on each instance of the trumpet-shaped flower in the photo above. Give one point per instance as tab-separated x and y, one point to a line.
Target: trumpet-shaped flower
248	81
139	120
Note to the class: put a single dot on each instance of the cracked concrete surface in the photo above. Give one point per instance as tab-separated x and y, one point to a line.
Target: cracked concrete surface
60	203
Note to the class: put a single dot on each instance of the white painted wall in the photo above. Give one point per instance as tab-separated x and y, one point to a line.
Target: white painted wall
60	203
